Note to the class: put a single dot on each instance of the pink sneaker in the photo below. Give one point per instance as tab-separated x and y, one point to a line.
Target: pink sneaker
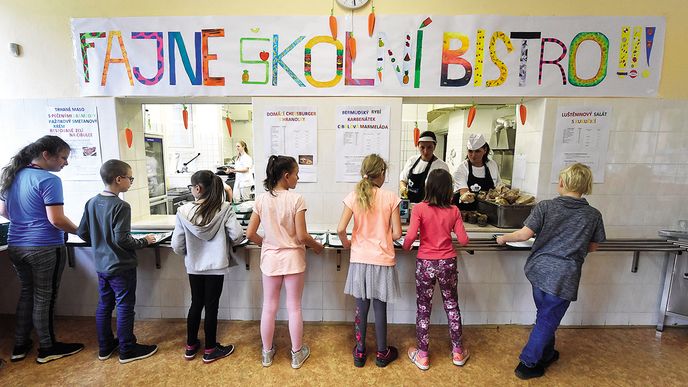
460	358
421	362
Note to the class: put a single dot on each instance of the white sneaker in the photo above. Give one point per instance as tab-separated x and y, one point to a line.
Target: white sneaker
299	357
267	356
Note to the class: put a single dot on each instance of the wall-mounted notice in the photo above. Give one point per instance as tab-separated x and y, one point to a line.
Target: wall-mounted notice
78	126
582	137
361	130
293	131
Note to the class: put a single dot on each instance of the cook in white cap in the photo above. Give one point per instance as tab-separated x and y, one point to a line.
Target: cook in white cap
414	174
476	173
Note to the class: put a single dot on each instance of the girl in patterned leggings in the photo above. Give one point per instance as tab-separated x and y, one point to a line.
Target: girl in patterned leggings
436	218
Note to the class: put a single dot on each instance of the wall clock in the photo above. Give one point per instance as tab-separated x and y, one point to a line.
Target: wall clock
352	4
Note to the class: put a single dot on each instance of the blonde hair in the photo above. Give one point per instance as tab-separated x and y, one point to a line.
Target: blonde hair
577	178
372	167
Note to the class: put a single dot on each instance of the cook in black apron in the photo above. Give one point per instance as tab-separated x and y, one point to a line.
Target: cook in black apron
416	182
475	185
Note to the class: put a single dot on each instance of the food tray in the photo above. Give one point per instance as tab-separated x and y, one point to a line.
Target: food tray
511	216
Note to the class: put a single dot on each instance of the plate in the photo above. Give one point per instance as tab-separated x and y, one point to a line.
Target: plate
522	244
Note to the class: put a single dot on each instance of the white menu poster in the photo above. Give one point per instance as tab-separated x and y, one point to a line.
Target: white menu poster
78	126
361	130
293	131
582	136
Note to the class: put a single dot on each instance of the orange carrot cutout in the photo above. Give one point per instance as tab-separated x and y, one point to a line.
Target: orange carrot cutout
129	135
333	26
371	22
185	117
228	122
471	116
523	112
352	46
416	135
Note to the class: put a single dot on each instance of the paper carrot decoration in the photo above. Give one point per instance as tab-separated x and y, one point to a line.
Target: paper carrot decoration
129	135
185	117
352	46
471	116
522	112
333	24
228	122
416	135
371	22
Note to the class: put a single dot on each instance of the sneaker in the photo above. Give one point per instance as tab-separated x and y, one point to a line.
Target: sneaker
105	353
138	352
192	350
359	357
460	358
299	357
384	358
57	351
555	357
217	353
20	351
422	362
266	356
524	372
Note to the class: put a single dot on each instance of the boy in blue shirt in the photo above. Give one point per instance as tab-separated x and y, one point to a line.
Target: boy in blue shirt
567	228
106	225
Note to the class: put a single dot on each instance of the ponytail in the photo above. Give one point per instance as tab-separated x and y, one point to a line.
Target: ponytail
372	167
277	167
213	193
51	144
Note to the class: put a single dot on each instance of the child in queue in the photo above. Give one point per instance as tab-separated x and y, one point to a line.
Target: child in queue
205	231
106	225
567	229
372	271
283	254
435	217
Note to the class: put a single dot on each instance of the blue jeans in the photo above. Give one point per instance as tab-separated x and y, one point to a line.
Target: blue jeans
120	290
550	311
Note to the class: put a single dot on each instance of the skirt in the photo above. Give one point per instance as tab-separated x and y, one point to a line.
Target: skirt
373	282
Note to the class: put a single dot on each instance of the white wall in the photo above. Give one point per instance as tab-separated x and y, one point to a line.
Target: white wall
324	197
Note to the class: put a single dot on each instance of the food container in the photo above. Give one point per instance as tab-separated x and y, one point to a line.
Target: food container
511	216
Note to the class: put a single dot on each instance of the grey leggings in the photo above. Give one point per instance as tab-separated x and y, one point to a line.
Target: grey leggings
39	270
361	323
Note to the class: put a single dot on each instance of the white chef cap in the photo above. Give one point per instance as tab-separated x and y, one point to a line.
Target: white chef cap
475	141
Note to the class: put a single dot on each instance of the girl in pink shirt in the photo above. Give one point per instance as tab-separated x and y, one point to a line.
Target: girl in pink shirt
283	254
436	218
372	271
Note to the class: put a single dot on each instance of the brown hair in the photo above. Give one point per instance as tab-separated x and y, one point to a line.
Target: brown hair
113	168
213	193
438	188
51	144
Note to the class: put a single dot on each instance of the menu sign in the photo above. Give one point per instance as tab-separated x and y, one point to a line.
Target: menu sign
78	126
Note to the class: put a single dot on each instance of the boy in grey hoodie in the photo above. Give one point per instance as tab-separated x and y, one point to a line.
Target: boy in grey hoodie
567	228
205	232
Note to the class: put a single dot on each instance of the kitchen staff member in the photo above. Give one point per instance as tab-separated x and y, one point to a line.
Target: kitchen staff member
243	181
476	173
415	172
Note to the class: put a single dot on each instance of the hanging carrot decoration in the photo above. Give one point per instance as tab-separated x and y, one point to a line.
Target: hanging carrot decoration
371	22
185	117
471	116
352	46
416	134
333	24
228	122
129	135
522	112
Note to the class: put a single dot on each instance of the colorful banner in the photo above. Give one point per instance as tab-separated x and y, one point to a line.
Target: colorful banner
409	55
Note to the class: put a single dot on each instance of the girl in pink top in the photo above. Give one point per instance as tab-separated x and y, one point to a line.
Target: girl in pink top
283	254
372	271
436	218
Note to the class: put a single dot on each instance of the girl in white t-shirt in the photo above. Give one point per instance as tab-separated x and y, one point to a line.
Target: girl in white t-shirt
243	169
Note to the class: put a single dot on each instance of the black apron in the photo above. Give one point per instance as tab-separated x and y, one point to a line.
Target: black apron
415	183
475	185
